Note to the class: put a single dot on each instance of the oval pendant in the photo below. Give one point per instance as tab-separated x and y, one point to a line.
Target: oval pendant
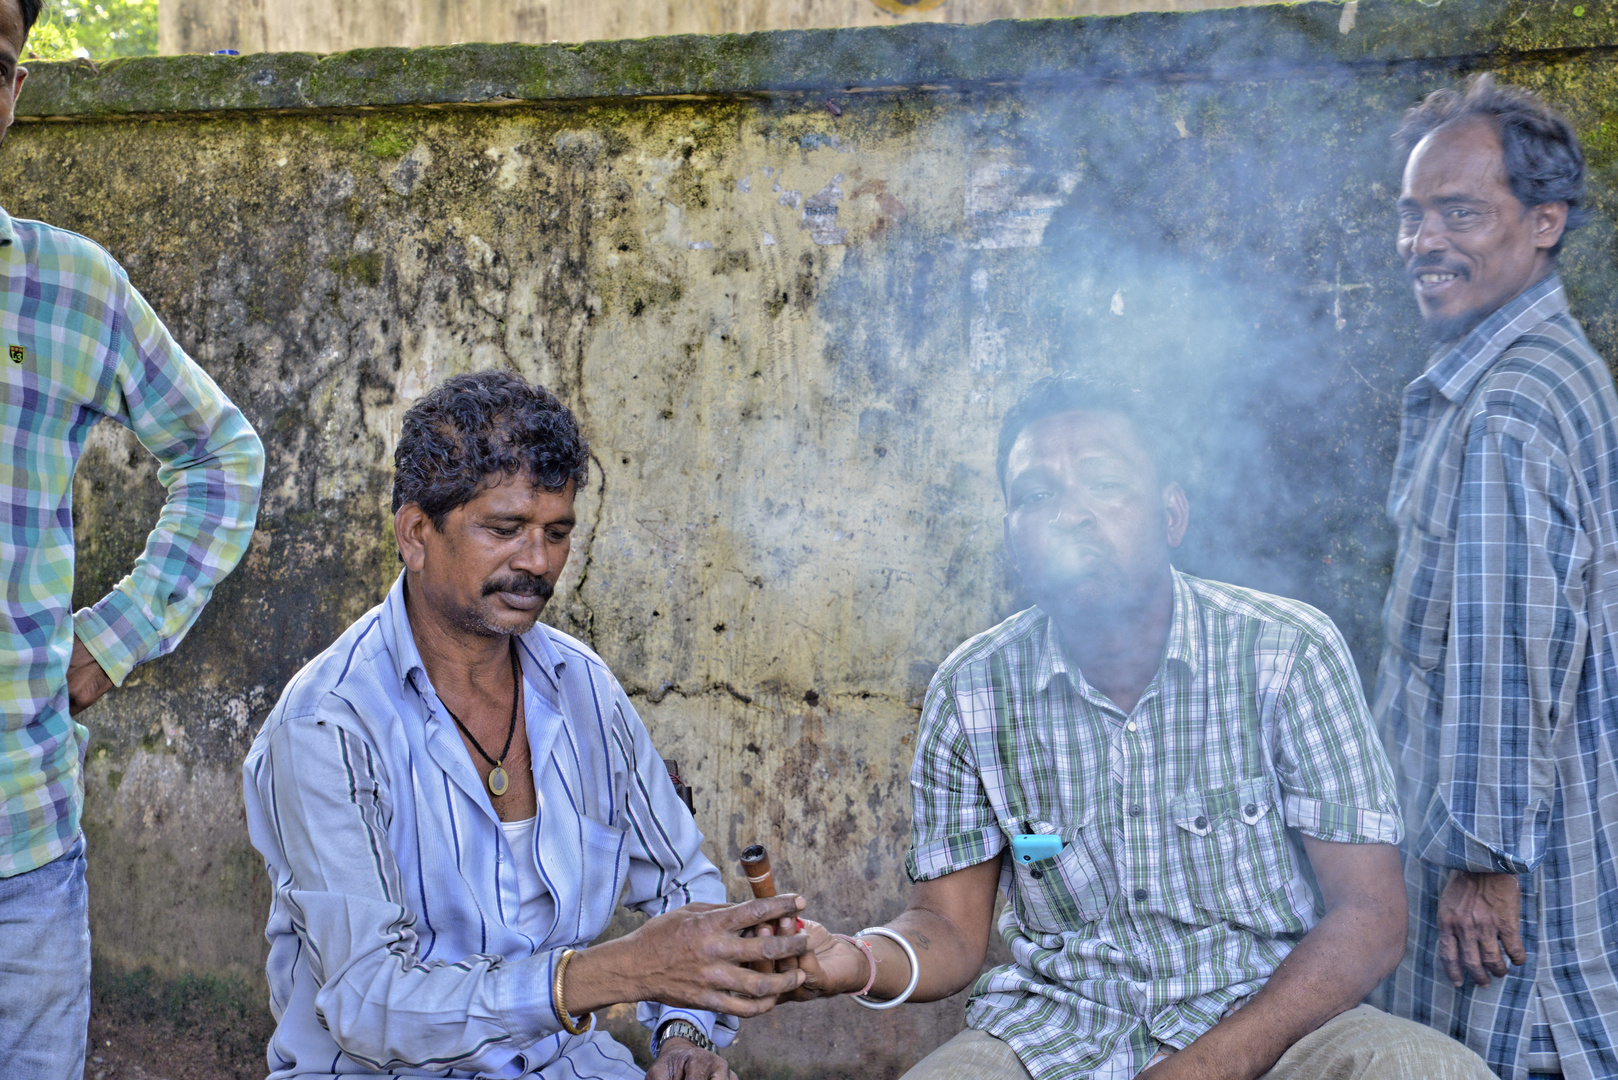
498	781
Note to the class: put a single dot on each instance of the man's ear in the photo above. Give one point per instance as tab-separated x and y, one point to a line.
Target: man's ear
1176	514
16	86
410	524
1549	222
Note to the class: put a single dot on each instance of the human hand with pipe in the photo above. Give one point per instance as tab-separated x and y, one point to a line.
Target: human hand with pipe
693	957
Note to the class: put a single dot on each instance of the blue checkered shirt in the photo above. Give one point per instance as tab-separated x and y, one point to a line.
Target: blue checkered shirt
1498	689
79	345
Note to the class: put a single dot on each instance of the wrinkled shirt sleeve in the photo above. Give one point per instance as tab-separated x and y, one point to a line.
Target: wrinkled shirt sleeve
323	803
1334	774
212	464
953	824
1518	636
667	868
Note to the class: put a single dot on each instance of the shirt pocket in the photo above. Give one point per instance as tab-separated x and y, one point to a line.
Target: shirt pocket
1063	892
601	875
1233	848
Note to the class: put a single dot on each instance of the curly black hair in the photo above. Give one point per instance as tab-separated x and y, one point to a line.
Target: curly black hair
1084	392
1544	162
473	430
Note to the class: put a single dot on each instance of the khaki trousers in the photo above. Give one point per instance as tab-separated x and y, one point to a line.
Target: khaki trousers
1361	1044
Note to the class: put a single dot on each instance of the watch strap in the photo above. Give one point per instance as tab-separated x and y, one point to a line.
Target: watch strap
680	1028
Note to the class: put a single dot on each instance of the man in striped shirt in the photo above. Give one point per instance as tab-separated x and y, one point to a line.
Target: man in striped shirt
1498	689
1157	770
453	799
79	345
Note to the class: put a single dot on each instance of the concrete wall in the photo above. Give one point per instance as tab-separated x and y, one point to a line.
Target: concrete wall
202	26
789	282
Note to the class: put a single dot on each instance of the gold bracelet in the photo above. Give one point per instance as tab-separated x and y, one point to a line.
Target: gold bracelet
568	1023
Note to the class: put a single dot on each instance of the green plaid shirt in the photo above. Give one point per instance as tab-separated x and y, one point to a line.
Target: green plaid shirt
78	344
1182	883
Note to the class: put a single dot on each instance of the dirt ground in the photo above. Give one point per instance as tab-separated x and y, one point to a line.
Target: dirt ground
137	1052
143	1028
147	1028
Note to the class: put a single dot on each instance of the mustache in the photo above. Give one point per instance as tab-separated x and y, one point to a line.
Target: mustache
521	585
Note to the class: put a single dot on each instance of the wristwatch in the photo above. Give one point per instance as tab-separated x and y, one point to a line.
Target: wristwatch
682	1029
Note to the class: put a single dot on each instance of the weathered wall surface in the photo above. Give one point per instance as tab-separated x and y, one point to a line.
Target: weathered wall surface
789	329
203	26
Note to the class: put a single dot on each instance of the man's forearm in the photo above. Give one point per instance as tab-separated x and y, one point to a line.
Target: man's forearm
1332	969
947	960
947	925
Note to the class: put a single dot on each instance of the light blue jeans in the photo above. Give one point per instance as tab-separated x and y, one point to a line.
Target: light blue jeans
45	970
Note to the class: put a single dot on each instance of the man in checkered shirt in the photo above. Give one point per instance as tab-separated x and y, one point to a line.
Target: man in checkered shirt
1225	887
81	346
1498	689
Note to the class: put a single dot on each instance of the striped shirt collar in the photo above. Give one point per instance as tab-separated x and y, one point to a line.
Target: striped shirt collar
1457	369
407	658
1184	644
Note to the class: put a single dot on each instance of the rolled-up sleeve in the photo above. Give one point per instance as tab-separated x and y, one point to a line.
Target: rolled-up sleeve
1517	643
318	806
953	824
212	464
1334	774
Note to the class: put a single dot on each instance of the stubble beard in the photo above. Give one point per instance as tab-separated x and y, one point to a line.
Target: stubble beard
479	618
1441	330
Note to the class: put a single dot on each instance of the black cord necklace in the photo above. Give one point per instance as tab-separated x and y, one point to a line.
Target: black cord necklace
498	780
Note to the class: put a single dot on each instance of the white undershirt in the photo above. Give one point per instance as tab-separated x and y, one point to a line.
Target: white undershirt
530	889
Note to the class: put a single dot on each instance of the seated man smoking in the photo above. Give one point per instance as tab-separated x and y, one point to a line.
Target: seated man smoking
452	797
1150	765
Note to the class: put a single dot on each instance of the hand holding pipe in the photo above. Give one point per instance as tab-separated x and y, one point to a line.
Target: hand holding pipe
756	869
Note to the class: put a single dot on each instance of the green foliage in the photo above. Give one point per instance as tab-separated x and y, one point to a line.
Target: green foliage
98	29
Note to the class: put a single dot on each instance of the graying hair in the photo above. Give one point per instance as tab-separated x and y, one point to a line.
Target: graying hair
1544	162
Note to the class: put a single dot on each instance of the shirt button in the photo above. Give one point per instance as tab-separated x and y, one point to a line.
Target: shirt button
1036	874
1251	809
1135	811
1130	725
1140	894
1201	822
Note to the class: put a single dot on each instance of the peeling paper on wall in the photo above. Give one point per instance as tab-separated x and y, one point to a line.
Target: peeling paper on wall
820	214
1009	203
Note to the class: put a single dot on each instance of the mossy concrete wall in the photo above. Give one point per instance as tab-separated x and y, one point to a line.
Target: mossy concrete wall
789	282
205	26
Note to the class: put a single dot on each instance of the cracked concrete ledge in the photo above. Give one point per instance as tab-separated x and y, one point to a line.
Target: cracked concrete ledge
1238	42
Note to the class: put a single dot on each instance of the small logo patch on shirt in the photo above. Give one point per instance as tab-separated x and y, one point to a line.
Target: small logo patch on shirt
18	354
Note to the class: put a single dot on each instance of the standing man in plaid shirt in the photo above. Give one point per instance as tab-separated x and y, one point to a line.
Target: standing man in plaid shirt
1197	751
1498	690
81	345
